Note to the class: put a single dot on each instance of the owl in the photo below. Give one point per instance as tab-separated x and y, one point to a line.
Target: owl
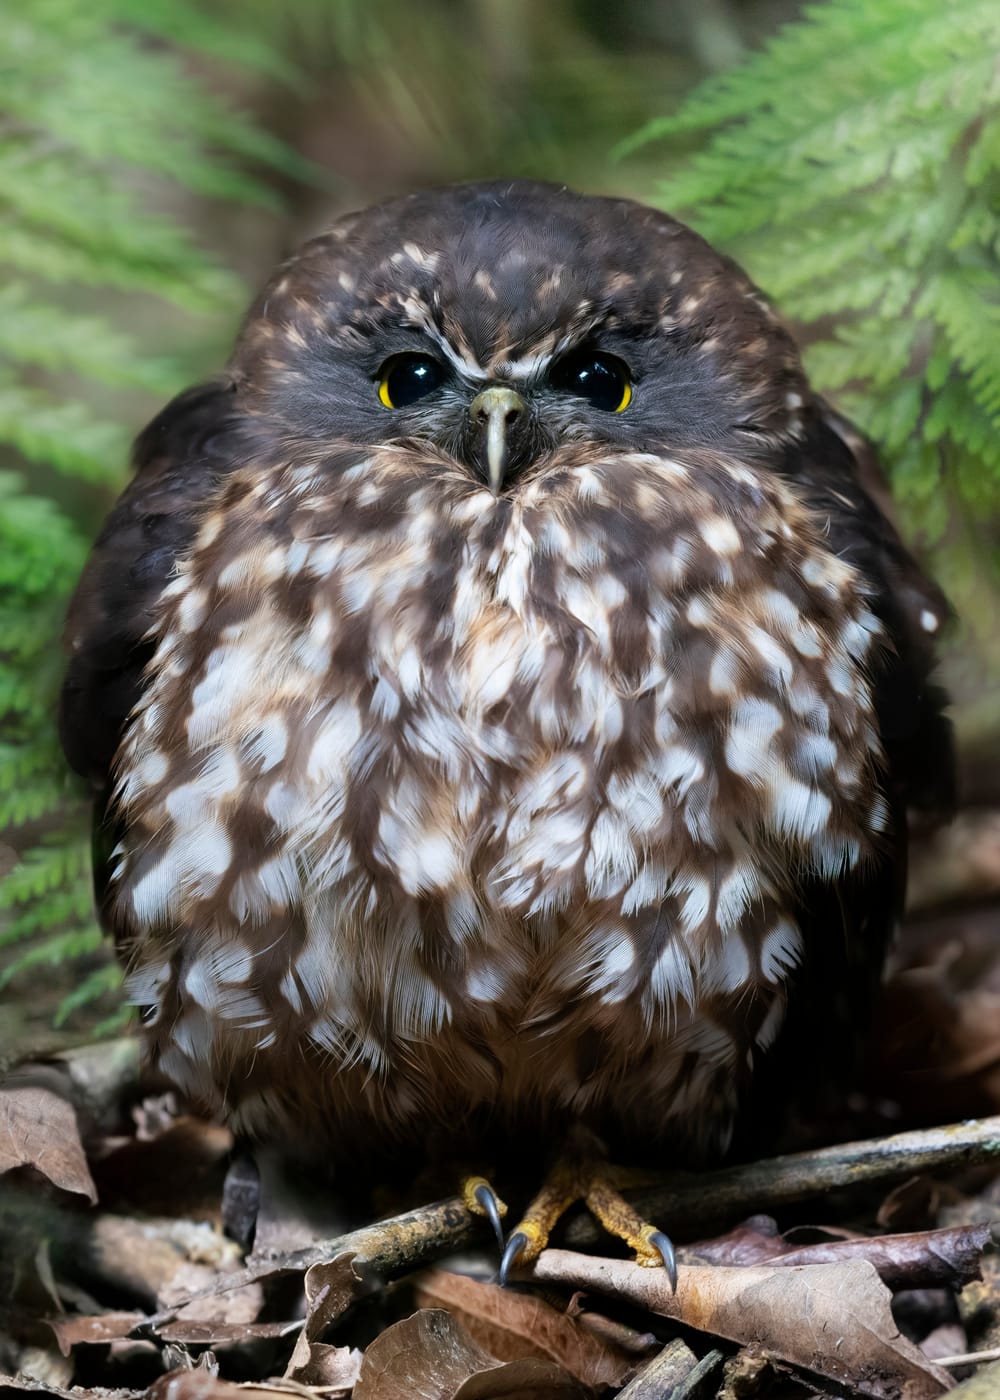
504	694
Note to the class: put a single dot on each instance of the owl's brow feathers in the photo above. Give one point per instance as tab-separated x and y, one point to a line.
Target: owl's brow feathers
500	286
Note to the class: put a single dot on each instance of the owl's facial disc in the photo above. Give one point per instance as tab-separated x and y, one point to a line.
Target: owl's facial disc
498	419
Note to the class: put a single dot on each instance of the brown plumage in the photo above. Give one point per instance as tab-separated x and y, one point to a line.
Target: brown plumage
543	802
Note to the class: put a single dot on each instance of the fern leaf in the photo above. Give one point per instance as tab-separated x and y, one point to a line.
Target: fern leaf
853	165
100	125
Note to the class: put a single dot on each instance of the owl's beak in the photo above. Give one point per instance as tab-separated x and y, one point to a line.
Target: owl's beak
495	412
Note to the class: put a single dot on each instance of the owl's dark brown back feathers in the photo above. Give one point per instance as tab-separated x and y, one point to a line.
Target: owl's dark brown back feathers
529	779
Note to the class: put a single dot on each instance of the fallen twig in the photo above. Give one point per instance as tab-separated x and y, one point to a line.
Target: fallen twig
708	1198
969	1358
410	1241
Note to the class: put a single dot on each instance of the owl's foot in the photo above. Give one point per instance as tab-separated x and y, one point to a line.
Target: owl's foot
481	1199
594	1184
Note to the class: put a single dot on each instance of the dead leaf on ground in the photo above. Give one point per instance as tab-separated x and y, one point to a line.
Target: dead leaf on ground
831	1318
198	1383
205	1334
93	1331
918	1259
430	1357
234	1306
511	1326
17	1386
38	1129
629	1340
333	1369
330	1290
145	1260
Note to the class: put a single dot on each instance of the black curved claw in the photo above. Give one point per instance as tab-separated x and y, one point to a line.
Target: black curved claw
486	1200
665	1247
513	1250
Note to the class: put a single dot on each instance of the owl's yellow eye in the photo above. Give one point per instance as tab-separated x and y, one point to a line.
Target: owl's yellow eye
404	379
603	380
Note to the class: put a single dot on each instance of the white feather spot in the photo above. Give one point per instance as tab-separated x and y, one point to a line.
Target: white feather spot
797	809
751	735
780	950
699	614
269	742
720	535
671	978
737	891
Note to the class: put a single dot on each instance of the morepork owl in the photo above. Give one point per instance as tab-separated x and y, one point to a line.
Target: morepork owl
505	696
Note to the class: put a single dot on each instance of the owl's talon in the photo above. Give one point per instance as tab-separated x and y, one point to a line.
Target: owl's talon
515	1247
664	1246
491	1206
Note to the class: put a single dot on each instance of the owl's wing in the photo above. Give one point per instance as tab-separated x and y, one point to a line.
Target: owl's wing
840	477
849	923
178	460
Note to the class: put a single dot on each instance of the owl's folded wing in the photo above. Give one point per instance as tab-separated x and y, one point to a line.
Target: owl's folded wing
178	460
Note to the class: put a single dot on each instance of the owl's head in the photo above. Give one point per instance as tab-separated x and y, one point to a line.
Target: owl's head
498	321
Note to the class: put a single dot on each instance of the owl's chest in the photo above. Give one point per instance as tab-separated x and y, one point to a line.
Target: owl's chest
484	732
471	779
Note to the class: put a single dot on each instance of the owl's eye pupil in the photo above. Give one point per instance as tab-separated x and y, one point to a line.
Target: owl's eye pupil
404	379
603	380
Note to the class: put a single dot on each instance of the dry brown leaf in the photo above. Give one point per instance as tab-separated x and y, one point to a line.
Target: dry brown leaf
330	1289
38	1129
334	1369
11	1386
195	1332
831	1318
234	1306
511	1326
430	1357
140	1258
530	1379
913	1204
198	1383
919	1259
84	1331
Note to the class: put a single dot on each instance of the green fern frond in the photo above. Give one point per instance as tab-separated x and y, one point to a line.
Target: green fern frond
103	982
33	332
61	433
62	947
61	861
73	902
852	165
98	126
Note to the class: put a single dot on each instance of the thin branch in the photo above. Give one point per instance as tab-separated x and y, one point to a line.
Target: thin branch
708	1198
406	1242
969	1358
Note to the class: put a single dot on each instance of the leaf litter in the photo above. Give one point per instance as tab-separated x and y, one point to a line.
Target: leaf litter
116	1279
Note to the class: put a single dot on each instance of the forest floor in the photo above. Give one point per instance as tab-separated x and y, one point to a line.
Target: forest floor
867	1270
